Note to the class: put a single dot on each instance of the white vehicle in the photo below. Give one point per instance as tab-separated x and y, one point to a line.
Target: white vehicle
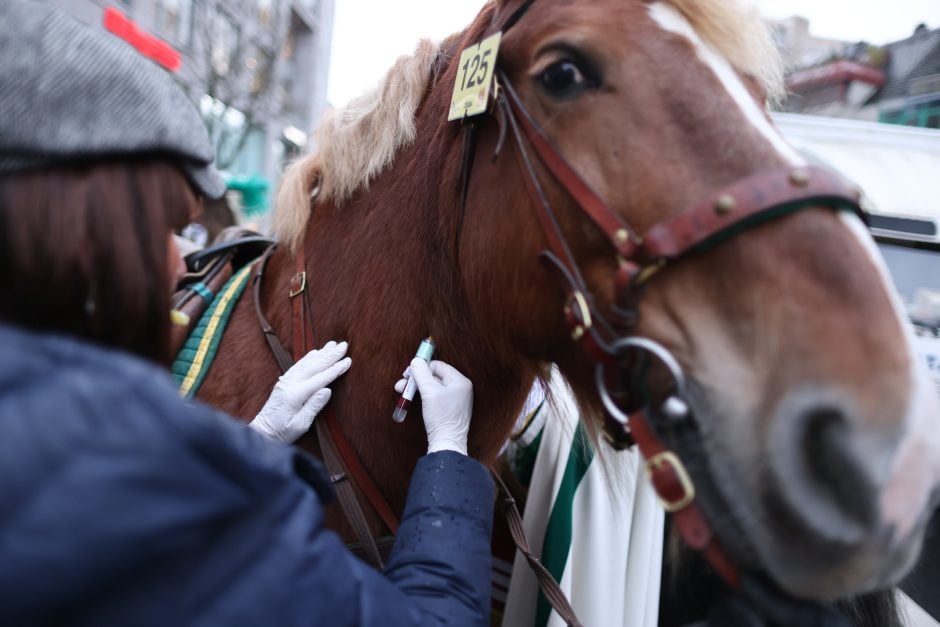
898	170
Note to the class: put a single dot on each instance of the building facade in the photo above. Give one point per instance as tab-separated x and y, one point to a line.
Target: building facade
911	95
799	47
256	68
898	83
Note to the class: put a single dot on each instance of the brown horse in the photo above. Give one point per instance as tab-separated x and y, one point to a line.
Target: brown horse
818	430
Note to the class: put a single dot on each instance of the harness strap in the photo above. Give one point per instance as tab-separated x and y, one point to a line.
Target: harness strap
550	588
583	318
359	473
613	226
550	226
298	285
333	455
677	494
281	356
342	461
346	496
516	15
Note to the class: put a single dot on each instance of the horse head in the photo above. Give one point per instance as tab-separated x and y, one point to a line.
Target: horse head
813	433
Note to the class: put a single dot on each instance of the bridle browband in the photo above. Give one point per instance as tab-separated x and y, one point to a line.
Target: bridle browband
631	416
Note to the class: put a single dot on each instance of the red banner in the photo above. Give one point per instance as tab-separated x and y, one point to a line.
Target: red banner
148	45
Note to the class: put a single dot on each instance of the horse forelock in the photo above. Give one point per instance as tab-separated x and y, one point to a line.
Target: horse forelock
741	35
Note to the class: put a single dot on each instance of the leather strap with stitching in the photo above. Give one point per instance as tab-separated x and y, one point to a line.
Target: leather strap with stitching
550	588
358	472
281	356
346	495
298	285
608	221
666	480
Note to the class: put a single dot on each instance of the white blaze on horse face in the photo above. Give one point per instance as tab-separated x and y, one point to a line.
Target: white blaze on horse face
915	468
915	471
671	20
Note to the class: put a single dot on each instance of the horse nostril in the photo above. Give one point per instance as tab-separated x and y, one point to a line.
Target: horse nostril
834	464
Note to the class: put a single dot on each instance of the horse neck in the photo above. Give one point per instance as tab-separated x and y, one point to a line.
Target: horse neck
382	274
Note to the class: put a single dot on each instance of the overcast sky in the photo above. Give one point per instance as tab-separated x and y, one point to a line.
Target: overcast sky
369	34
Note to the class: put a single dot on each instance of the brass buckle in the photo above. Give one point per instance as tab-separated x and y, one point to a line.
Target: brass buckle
303	284
647	272
668	458
584	319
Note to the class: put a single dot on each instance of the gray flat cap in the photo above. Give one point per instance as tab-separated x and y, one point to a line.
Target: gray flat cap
69	91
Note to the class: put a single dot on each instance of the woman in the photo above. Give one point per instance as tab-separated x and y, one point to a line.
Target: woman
121	504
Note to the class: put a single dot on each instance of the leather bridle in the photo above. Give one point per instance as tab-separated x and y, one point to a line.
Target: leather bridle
621	359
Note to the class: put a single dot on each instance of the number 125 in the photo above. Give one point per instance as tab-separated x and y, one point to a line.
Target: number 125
478	66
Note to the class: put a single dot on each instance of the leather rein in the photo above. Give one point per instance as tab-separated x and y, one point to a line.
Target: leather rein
605	336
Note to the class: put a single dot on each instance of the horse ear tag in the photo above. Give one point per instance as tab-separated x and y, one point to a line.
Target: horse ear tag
474	79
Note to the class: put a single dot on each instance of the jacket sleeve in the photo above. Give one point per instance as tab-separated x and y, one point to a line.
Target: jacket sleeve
442	555
282	566
438	572
440	567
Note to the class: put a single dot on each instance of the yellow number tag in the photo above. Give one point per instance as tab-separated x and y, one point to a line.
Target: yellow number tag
474	77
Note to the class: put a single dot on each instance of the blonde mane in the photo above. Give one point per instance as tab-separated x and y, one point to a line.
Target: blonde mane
357	142
741	35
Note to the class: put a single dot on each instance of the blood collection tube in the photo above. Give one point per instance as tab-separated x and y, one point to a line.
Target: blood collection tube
425	352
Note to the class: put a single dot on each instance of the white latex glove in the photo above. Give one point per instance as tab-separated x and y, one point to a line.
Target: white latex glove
446	403
300	394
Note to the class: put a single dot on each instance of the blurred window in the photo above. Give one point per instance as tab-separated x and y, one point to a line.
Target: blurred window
916	274
175	20
223	39
266	11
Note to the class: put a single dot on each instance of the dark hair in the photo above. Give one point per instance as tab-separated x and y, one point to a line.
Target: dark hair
84	251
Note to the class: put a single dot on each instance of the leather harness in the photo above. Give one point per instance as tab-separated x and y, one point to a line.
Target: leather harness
605	337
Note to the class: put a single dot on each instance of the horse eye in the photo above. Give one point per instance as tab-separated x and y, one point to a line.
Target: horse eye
564	79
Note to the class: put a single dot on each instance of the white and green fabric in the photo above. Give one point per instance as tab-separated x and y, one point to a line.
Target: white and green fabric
597	527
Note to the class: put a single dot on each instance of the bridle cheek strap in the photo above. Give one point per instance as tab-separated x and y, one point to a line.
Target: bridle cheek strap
623	239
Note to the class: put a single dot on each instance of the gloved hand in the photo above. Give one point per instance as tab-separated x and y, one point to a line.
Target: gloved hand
446	403
300	394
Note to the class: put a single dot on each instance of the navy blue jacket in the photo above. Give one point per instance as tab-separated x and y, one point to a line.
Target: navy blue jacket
122	505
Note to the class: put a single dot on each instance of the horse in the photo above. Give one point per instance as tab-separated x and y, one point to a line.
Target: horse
816	453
